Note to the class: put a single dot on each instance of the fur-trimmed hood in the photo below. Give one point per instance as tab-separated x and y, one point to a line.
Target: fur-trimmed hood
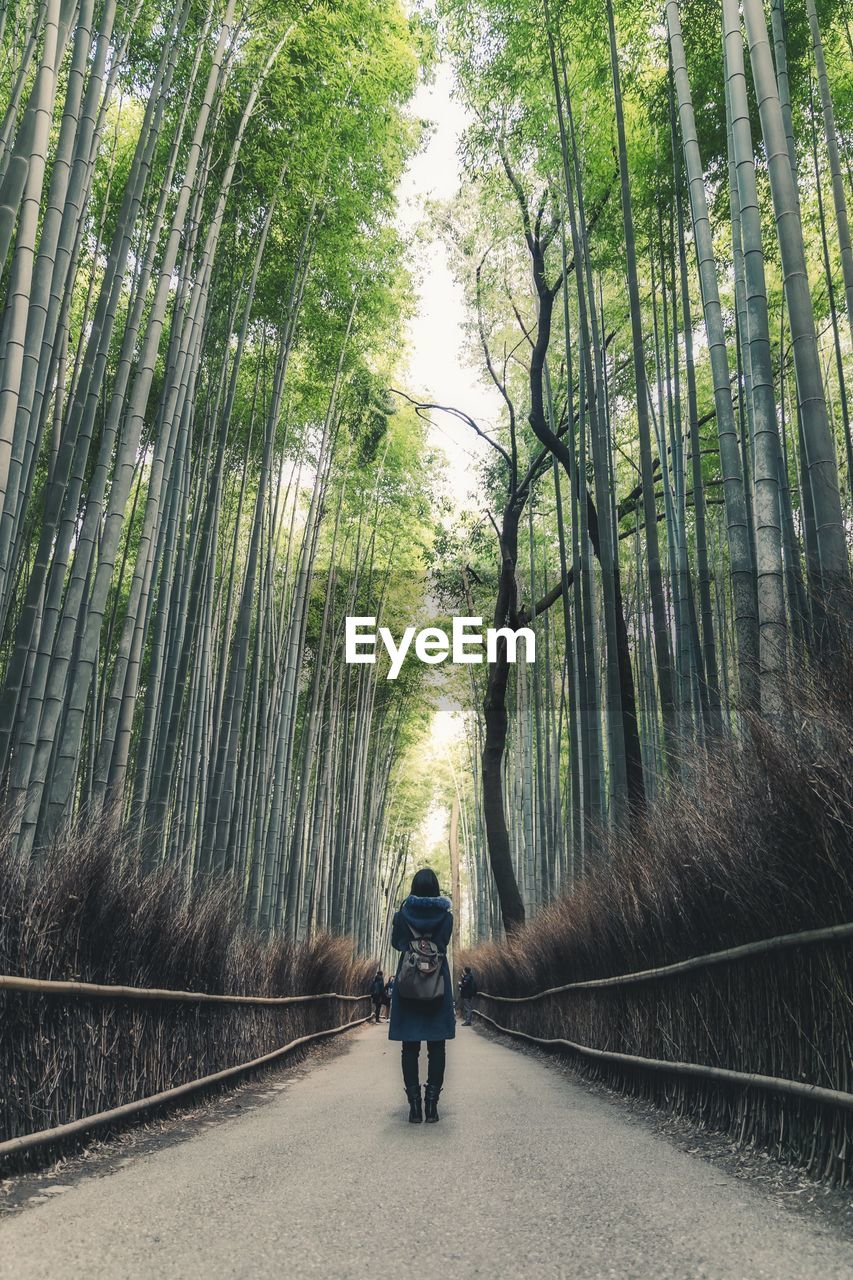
424	914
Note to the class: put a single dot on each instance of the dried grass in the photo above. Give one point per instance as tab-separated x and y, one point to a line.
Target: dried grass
90	915
758	843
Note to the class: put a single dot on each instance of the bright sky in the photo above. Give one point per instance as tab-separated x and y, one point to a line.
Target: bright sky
447	726
437	367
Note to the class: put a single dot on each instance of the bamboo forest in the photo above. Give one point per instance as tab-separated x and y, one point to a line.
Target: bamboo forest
536	314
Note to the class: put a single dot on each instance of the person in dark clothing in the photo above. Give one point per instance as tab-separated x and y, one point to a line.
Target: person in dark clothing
425	913
386	997
377	991
467	991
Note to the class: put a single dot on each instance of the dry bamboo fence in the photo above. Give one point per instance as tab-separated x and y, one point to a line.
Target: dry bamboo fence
297	1007
754	1040
140	987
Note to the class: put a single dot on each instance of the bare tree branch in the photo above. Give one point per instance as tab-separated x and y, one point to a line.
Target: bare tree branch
519	192
421	405
499	383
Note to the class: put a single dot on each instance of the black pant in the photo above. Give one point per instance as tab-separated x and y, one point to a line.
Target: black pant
377	1007
435	1060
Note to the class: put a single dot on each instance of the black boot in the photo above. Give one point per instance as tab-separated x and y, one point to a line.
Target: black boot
431	1093
413	1093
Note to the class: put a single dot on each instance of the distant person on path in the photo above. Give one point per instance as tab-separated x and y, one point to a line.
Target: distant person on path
422	999
467	990
386	997
377	991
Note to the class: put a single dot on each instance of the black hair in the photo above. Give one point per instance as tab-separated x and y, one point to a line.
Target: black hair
425	884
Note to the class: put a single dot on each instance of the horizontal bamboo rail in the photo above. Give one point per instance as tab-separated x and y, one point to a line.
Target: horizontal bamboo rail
833	933
746	1079
45	1137
94	990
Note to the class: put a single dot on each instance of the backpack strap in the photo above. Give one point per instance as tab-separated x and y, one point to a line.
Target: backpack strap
429	936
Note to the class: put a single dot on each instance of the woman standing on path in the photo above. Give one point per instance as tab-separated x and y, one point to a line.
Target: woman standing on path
424	916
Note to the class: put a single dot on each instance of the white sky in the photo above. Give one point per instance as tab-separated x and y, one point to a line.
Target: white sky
437	366
447	727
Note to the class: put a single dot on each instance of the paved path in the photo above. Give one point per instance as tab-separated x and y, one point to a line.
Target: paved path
526	1175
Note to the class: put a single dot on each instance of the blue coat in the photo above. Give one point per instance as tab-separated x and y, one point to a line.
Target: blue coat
422	1019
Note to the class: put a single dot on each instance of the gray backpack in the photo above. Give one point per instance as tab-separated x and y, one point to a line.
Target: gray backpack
421	976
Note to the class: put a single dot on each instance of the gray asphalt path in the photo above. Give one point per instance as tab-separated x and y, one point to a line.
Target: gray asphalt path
527	1174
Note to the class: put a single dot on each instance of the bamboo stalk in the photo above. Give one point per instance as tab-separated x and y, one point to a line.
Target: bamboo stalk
96	990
